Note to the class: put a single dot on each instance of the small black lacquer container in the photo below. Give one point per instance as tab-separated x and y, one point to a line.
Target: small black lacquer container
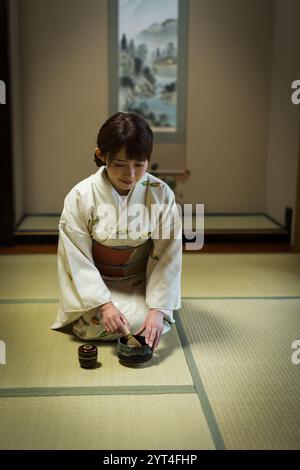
87	355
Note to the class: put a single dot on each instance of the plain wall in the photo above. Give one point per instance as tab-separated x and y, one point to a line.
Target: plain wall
230	47
64	95
283	150
64	89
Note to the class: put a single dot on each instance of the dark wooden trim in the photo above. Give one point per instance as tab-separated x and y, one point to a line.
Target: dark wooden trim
208	248
36	239
6	161
223	238
240	237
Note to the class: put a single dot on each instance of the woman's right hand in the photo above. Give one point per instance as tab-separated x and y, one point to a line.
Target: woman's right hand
112	318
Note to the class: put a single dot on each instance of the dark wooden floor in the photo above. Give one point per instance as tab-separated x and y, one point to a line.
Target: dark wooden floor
208	248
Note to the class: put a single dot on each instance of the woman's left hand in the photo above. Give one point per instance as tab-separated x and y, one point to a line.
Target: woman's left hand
153	324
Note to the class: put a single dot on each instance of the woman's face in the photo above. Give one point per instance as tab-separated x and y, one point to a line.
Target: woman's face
124	174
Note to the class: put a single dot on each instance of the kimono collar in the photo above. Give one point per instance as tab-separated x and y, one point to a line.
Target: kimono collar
106	189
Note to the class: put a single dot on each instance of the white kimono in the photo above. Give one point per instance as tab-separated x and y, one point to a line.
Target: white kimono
83	289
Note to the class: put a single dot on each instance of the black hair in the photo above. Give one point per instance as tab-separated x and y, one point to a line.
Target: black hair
128	130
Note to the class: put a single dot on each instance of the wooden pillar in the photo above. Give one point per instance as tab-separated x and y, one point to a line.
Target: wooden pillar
6	168
296	246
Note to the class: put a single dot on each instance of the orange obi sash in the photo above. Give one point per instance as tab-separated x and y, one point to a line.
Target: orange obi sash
116	262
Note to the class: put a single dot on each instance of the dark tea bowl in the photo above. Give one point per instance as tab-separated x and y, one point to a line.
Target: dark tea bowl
132	355
87	355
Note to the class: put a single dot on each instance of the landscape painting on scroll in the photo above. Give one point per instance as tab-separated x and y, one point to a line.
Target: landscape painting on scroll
148	61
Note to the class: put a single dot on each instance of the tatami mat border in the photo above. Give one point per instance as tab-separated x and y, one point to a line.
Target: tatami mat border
274	297
79	391
202	395
56	301
29	301
142	390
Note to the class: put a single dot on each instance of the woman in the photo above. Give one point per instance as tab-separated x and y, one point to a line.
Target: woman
120	250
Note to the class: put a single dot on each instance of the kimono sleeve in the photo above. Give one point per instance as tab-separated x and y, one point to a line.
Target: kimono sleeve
81	285
163	274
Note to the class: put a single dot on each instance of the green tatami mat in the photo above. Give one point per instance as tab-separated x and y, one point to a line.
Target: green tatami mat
39	222
204	275
104	422
241	350
245	275
28	277
211	222
40	357
237	222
